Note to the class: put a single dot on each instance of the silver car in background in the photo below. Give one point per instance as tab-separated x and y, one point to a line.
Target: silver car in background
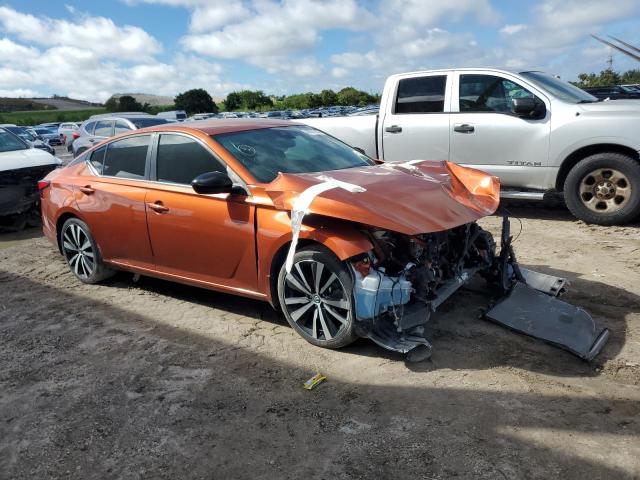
96	129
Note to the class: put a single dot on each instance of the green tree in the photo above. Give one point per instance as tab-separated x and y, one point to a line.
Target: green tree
247	100
111	105
328	98
127	103
196	100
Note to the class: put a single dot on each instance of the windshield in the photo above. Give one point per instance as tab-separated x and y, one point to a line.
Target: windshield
558	88
9	142
266	152
22	133
147	122
44	131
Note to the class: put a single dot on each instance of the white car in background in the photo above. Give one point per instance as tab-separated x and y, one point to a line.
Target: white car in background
21	168
66	131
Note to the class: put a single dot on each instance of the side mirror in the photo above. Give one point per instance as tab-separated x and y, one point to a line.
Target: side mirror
360	150
528	107
212	182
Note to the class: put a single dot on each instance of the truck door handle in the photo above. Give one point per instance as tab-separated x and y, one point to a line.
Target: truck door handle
463	128
158	207
393	129
87	190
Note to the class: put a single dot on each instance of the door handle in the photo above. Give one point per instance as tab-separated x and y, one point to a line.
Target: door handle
463	128
393	129
92	140
87	190
158	207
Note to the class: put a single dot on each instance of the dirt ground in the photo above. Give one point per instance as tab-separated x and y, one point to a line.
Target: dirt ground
158	380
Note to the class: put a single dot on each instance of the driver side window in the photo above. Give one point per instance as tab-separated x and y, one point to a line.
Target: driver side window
180	159
489	93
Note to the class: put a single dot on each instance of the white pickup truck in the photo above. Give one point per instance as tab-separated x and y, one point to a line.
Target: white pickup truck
535	132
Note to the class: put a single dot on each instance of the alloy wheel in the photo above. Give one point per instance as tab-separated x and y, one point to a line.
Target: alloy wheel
605	190
316	300
78	250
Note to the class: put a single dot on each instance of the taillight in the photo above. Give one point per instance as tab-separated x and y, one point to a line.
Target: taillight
42	185
75	135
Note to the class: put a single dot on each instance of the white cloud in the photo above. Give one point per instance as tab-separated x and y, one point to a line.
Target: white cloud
513	29
97	34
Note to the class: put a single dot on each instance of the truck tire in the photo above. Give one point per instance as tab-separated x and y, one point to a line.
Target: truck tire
317	298
604	189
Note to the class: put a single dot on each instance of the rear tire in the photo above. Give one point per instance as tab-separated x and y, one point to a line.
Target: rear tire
317	298
81	252
604	189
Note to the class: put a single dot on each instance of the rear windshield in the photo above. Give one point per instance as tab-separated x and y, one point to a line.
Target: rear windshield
296	149
9	142
147	122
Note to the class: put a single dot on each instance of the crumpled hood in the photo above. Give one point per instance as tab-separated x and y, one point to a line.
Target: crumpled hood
411	198
31	157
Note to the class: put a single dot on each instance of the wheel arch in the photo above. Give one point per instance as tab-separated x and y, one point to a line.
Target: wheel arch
572	159
60	222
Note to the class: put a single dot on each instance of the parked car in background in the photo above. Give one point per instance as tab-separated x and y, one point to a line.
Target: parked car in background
535	132
177	115
94	130
66	132
201	116
613	92
49	135
21	167
32	139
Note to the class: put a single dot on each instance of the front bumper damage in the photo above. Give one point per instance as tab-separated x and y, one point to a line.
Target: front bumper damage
521	300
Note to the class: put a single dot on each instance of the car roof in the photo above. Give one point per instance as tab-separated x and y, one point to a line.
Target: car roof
226	125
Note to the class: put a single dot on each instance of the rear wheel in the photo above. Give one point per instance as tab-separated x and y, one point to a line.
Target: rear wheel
316	298
81	252
604	189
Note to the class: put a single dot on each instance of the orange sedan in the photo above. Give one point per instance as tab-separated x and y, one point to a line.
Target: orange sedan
344	245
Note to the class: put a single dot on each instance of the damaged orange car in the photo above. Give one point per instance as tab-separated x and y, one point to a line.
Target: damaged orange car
346	246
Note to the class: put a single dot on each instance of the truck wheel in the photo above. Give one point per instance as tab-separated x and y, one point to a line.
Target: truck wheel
604	189
316	298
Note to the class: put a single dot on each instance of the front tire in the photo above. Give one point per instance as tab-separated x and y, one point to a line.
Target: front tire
317	298
604	189
81	252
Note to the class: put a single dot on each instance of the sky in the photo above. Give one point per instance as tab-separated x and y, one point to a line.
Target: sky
92	49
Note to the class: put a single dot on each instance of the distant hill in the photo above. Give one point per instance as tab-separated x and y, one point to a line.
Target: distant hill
153	100
63	104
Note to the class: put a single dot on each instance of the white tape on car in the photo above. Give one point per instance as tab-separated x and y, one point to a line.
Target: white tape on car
303	202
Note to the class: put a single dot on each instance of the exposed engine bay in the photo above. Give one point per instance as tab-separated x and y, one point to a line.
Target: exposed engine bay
405	278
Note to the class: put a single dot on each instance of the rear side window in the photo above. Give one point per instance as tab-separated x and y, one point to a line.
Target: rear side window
180	159
97	158
103	128
121	127
89	127
127	158
421	95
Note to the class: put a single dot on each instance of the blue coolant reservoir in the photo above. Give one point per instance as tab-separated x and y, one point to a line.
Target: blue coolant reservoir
377	292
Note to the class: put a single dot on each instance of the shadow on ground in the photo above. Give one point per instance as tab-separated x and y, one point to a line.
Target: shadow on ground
90	390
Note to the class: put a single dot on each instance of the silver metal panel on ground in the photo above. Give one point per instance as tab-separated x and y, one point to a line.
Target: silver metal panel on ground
544	283
545	317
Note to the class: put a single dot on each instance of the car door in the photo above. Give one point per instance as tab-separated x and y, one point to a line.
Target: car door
416	125
205	238
111	200
485	134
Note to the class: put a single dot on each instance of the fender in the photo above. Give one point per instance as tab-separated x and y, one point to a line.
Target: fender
273	235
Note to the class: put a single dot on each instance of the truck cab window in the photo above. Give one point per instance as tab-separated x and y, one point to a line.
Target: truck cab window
489	93
421	94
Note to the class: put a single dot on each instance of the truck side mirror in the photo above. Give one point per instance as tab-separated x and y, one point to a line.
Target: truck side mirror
529	107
